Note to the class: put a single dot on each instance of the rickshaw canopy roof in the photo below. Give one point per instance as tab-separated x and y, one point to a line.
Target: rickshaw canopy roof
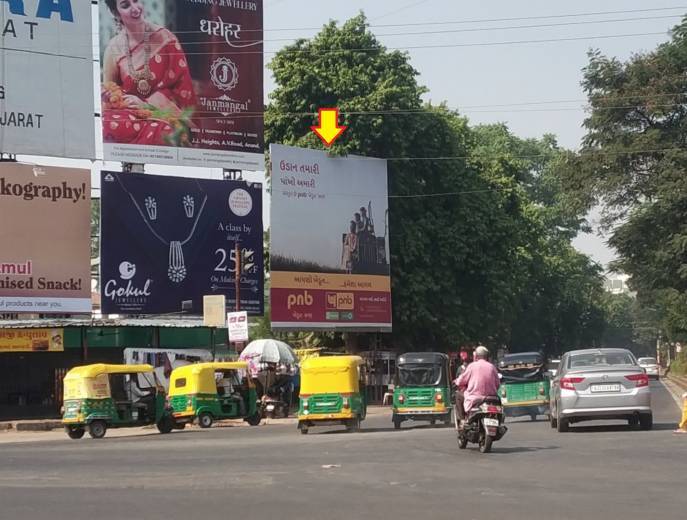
421	358
331	374
93	371
199	378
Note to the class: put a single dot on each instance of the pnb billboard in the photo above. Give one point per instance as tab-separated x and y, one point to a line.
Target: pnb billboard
329	253
170	240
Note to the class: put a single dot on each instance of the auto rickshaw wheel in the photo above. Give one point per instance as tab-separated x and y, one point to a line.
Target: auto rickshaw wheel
205	420
397	424
432	422
165	425
353	425
254	420
179	425
97	429
75	432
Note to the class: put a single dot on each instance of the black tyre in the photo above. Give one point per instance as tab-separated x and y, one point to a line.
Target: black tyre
205	420
462	442
353	425
304	431
254	420
533	416
563	425
646	421
397	424
179	425
552	421
75	432
165	425
633	422
97	429
485	444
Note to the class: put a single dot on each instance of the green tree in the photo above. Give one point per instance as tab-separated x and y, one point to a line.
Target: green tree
451	255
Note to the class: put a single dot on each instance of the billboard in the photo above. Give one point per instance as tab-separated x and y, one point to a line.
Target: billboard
329	253
182	82
45	239
32	340
170	240
46	71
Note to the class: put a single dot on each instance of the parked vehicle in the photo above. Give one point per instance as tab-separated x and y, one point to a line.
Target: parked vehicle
207	392
333	391
597	384
422	389
483	426
650	365
524	385
100	396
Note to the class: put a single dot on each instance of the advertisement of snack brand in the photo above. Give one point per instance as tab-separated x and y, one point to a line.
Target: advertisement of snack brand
329	242
166	242
182	82
32	340
45	238
47	72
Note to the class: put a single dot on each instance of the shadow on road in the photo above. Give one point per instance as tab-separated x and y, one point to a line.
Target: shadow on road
522	449
606	428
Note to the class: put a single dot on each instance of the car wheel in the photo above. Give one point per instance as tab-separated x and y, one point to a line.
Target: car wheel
205	420
633	422
75	432
646	421
97	429
563	425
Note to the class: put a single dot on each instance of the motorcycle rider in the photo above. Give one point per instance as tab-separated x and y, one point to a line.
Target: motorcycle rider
479	380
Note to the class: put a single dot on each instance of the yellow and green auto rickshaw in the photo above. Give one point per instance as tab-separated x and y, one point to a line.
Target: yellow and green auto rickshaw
100	396
213	391
333	391
422	390
524	385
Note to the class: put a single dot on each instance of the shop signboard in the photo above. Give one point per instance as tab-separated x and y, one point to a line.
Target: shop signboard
31	340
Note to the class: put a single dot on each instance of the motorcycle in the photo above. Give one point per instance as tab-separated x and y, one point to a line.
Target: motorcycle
273	407
483	426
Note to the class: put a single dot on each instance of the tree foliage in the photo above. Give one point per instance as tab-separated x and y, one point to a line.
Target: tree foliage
480	242
632	162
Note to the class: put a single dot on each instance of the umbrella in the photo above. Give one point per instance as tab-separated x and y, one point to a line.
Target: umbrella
268	351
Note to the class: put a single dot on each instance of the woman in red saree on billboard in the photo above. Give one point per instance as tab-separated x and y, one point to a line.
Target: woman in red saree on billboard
147	91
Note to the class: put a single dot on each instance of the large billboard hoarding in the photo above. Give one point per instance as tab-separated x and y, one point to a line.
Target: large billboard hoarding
182	82
45	238
46	78
329	254
166	242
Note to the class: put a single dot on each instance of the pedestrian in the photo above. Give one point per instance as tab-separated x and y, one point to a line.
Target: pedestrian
682	427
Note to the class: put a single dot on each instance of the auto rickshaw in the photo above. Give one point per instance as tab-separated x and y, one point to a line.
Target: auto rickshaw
100	396
524	385
333	391
422	390
212	391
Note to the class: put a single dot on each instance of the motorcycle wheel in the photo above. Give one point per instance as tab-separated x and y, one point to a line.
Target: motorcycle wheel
462	442
485	444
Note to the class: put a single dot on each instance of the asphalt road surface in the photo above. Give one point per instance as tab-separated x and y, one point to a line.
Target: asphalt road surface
594	472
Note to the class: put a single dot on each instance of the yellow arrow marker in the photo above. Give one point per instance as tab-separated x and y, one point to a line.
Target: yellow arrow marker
329	129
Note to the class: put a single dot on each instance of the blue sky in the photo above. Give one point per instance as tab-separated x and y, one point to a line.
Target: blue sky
532	87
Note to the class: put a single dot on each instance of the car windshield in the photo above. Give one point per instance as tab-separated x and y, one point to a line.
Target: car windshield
416	374
647	361
600	358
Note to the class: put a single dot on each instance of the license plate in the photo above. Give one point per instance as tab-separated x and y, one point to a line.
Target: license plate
491	422
605	388
270	407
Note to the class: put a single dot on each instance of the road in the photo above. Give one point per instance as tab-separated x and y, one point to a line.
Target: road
273	472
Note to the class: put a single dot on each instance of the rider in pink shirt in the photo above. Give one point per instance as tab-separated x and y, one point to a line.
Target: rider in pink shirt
480	379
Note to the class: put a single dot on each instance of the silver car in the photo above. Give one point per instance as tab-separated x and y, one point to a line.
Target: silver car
650	365
598	384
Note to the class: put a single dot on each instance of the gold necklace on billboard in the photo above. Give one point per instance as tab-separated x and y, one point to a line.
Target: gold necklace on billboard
144	77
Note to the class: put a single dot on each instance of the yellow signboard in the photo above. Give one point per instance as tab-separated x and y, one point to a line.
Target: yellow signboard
31	340
215	311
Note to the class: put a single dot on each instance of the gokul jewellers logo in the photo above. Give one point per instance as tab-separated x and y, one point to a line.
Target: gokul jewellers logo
128	293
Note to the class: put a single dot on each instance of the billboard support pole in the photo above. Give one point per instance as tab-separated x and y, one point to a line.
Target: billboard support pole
237	284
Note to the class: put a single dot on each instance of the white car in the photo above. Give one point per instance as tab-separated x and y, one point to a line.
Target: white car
650	365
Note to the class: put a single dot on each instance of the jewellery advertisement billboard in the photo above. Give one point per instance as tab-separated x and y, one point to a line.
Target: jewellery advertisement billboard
166	242
46	73
45	238
329	247
182	82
